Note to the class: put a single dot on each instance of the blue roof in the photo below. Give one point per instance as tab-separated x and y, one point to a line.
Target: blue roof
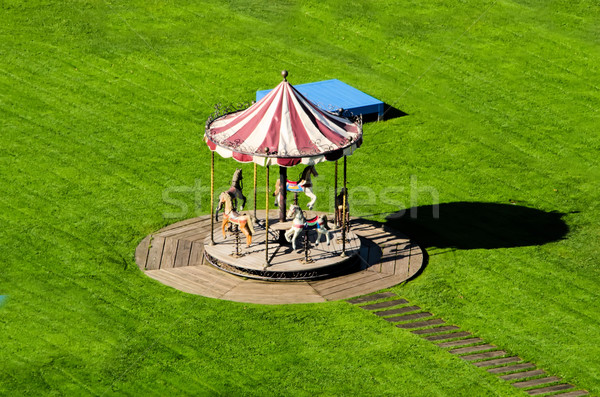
334	94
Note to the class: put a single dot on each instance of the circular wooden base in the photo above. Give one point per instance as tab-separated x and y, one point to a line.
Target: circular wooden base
283	262
175	256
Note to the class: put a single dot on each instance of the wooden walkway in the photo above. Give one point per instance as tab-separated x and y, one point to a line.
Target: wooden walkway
174	256
521	374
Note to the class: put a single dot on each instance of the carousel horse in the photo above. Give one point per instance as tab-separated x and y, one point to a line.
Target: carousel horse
299	223
244	222
339	208
303	185
235	192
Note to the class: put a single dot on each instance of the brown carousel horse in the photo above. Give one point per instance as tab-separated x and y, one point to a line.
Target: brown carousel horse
235	191
303	185
339	208
244	222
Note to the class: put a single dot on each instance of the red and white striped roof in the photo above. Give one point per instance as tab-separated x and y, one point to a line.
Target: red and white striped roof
283	128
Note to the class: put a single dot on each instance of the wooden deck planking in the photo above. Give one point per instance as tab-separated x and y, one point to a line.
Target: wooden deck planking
261	298
141	252
498	361
196	254
549	389
371	298
473	349
182	257
401	310
183	223
170	250
178	229
199	281
182	284
343	282
155	254
482	356
390	265
202	279
198	237
511	368
435	330
575	393
522	375
415	262
206	274
461	342
421	324
279	292
202	227
178	246
383	305
408	317
512	372
536	382
364	288
453	335
215	273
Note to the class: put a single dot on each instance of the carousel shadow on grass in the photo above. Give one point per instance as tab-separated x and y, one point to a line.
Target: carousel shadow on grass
473	225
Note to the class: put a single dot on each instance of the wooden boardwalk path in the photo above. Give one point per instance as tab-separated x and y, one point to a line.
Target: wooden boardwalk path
174	256
522	375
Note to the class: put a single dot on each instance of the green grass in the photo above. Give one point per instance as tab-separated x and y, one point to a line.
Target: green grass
102	110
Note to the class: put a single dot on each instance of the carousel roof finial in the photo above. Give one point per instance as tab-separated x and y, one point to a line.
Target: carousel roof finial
284	73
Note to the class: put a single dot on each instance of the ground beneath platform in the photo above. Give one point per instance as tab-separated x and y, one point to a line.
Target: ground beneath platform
174	256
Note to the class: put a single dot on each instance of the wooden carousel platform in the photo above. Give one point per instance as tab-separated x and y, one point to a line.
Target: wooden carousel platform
175	256
285	263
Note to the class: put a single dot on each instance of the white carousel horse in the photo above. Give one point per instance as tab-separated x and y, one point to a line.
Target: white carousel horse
244	222
299	223
303	185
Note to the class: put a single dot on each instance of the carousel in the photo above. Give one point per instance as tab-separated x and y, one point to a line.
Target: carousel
237	253
286	130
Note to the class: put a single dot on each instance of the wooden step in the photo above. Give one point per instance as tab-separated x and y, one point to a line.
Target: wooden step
575	393
370	298
408	317
498	361
481	356
523	375
549	389
511	368
420	324
405	309
535	382
461	342
383	305
435	330
472	349
453	335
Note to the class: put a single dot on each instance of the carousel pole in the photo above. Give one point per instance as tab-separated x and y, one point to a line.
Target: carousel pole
282	199
344	212
335	205
267	220
212	197
254	190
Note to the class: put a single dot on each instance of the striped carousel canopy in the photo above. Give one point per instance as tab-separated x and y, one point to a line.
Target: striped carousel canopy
283	128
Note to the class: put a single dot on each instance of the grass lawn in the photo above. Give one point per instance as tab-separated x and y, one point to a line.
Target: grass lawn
102	111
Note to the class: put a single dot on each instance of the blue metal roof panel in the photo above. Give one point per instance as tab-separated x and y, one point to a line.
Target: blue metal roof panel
334	94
